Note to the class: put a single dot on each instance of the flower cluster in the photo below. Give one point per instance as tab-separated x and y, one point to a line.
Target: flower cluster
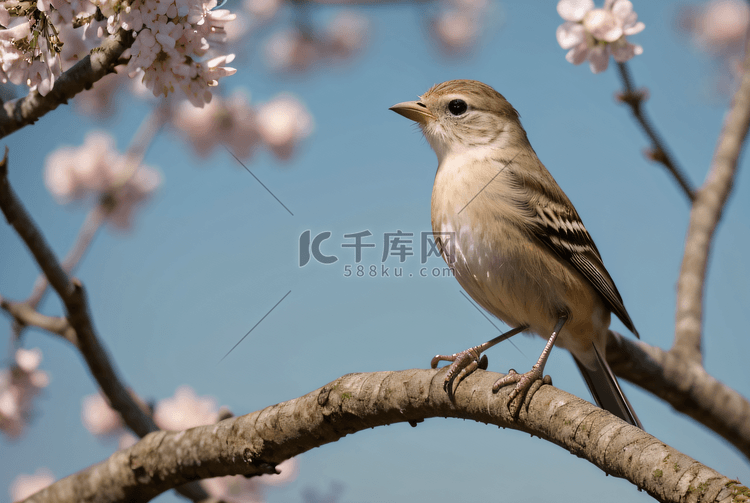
98	417
458	24
185	410
719	27
595	34
28	46
18	386
170	38
279	124
292	50
170	51
98	169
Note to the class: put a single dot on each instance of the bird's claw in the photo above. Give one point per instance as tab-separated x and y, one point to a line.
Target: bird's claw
526	385
464	363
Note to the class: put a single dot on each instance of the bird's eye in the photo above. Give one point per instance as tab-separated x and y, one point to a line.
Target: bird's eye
457	107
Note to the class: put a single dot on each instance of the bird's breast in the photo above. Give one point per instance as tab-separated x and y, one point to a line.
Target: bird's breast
496	259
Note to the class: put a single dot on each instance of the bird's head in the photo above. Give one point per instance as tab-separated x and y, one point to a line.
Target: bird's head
461	117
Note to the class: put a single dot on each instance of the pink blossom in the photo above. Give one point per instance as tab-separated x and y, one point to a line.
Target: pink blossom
18	386
291	50
98	169
185	410
171	37
458	24
238	489
224	121
287	472
595	34
282	123
99	101
262	10
346	34
19	30
720	26
138	188
4	16
32	66
127	440
24	486
98	417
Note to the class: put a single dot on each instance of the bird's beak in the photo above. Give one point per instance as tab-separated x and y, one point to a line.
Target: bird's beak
414	110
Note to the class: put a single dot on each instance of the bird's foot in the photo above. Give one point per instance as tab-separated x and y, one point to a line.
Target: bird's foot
526	385
464	363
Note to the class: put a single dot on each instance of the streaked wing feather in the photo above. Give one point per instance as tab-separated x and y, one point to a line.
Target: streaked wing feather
557	225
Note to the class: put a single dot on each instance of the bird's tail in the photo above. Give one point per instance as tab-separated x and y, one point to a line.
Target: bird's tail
606	390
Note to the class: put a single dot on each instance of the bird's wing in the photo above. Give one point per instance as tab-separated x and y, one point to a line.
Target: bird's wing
556	223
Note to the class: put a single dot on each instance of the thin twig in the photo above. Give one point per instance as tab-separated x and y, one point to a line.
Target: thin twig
705	216
86	235
140	143
659	152
25	315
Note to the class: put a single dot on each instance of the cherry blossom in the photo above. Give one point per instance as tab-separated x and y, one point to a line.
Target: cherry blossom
24	486
25	57
346	34
262	10
238	489
595	34
18	386
718	27
294	50
98	417
99	101
290	50
185	410
225	121
458	24
97	168
282	123
172	39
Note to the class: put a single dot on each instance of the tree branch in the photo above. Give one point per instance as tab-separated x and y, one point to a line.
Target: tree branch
255	443
21	112
25	315
73	297
659	152
704	218
685	385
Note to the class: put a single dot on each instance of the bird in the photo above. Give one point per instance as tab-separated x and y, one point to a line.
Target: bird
515	242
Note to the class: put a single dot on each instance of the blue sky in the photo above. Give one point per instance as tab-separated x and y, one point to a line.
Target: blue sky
213	252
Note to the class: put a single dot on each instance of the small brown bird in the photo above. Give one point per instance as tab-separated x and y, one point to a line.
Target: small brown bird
514	239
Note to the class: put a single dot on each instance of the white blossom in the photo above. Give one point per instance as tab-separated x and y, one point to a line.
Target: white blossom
595	34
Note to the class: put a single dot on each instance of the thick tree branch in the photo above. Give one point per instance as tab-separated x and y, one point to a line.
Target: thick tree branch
704	218
254	444
685	385
659	152
21	112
